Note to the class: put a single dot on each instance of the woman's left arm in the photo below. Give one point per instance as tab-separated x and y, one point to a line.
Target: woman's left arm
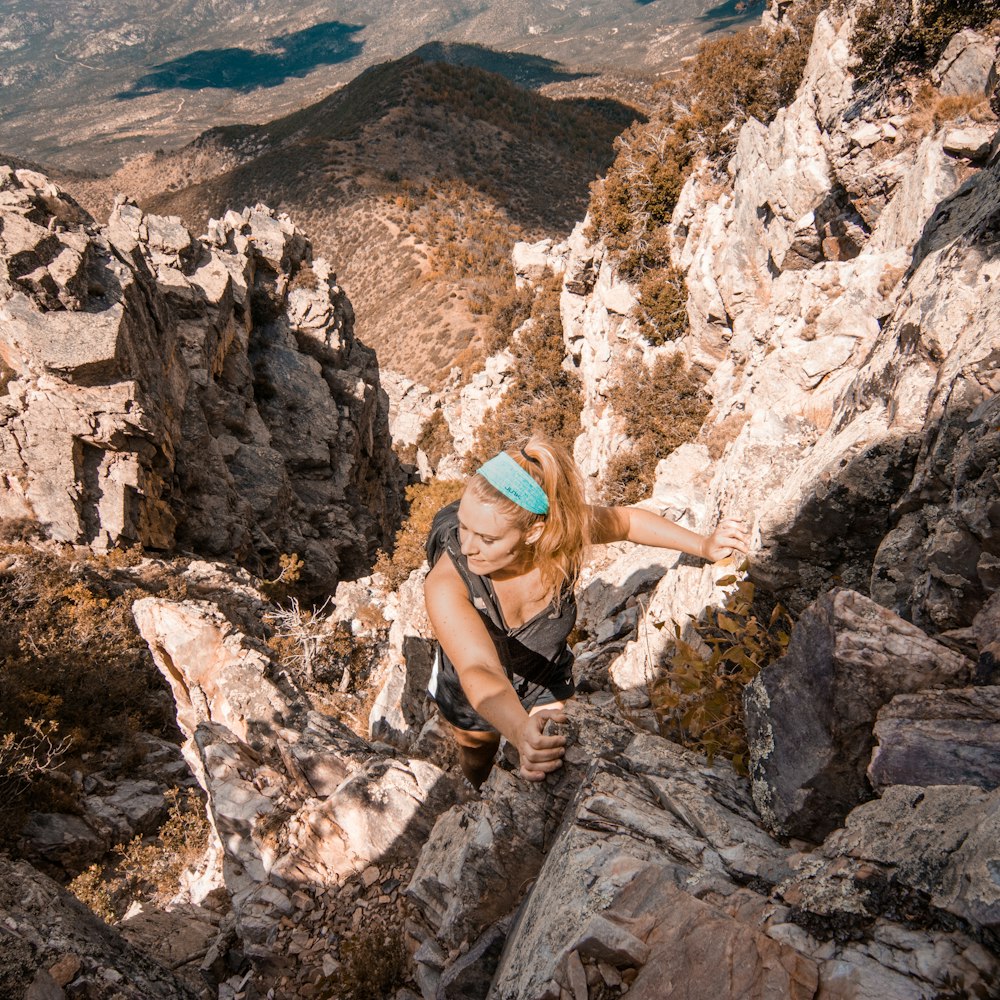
633	524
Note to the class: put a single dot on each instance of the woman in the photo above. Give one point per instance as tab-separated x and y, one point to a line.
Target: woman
502	603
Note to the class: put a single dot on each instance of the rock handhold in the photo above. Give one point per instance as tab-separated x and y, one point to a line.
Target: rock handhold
809	715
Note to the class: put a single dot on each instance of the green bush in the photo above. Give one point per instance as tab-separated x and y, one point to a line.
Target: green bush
661	408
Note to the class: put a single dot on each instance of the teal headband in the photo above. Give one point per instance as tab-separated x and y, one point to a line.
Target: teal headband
506	476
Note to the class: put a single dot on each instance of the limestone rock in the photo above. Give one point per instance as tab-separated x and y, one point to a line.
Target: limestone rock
156	387
965	65
481	855
532	261
809	715
939	738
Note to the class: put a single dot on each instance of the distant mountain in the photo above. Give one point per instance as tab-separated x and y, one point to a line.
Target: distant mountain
414	180
85	85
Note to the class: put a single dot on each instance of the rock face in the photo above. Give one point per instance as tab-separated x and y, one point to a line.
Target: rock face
657	875
842	291
809	715
170	391
53	948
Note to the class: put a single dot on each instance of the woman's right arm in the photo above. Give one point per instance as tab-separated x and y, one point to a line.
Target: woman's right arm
468	646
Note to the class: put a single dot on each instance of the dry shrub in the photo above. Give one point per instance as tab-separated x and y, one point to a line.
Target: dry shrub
148	870
895	37
373	966
435	439
662	309
423	501
930	110
661	409
722	433
510	310
700	701
543	396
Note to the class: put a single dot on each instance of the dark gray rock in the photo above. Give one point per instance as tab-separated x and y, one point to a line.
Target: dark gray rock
939	738
809	716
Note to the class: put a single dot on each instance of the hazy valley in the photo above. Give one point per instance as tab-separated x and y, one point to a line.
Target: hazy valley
86	86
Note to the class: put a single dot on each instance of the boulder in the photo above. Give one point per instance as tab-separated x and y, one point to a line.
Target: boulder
986	627
938	738
969	142
809	715
482	855
965	64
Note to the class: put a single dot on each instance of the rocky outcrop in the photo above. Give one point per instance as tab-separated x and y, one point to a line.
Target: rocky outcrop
809	715
298	803
53	948
175	392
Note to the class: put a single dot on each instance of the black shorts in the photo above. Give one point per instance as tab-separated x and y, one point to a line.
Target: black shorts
446	690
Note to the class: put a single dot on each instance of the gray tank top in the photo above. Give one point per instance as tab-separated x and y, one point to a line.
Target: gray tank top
534	653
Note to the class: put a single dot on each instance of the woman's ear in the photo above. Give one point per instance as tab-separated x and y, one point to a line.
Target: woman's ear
534	533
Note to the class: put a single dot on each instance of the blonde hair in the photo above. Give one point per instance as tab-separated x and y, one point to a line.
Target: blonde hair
559	551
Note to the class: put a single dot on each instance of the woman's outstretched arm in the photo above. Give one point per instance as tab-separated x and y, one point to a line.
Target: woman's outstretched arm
633	524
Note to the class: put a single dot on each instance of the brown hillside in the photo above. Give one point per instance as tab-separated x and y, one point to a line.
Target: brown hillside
415	179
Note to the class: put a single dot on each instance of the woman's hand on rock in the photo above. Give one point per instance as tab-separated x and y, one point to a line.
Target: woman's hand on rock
540	754
730	536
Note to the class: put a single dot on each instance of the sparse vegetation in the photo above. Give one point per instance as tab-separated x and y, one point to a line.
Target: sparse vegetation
700	700
75	675
661	408
148	869
373	965
732	79
544	396
893	37
423	500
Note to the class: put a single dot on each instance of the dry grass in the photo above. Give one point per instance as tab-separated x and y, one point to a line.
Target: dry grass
660	408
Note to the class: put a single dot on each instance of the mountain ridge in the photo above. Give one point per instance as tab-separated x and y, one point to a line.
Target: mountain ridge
405	179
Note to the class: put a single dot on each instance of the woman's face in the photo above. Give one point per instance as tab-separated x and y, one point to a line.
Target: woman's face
490	541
